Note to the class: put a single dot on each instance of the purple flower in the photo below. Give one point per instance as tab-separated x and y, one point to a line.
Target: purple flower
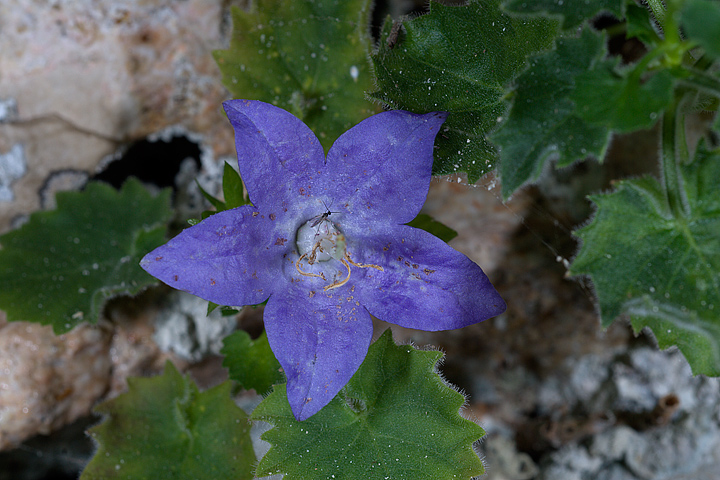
325	243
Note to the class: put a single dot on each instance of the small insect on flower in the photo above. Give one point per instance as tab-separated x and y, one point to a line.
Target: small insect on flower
322	217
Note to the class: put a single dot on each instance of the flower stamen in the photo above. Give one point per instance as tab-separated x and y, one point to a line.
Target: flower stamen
313	253
363	265
337	284
307	274
347	261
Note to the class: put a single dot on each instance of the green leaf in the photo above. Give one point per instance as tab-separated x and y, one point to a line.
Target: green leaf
621	100
218	204
396	418
430	225
60	267
163	427
639	25
701	22
663	272
543	122
251	363
574	12
307	57
459	59
232	188
232	191
225	311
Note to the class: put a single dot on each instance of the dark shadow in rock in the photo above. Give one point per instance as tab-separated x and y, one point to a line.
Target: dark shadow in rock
59	456
156	162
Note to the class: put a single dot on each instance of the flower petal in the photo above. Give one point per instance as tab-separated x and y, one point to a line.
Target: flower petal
230	258
320	341
383	165
278	155
425	284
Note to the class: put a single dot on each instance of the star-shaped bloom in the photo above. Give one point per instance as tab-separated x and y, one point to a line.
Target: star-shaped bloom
324	242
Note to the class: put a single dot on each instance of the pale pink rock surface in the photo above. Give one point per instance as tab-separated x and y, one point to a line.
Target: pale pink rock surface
90	75
47	381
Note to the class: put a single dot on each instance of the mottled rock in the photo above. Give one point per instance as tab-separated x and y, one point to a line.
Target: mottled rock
184	328
667	427
505	462
12	167
48	381
79	79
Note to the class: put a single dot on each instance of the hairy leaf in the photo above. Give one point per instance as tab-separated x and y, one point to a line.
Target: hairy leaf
163	427
574	12
621	100
60	267
307	57
640	25
701	22
662	271
543	123
395	419
251	363
459	59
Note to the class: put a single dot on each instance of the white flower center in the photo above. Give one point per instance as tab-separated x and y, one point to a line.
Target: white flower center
319	240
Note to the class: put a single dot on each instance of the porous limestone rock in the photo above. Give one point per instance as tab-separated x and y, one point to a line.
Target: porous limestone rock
80	79
47	381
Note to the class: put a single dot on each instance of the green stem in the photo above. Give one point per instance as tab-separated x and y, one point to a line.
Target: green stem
703	64
674	148
682	153
658	10
702	81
